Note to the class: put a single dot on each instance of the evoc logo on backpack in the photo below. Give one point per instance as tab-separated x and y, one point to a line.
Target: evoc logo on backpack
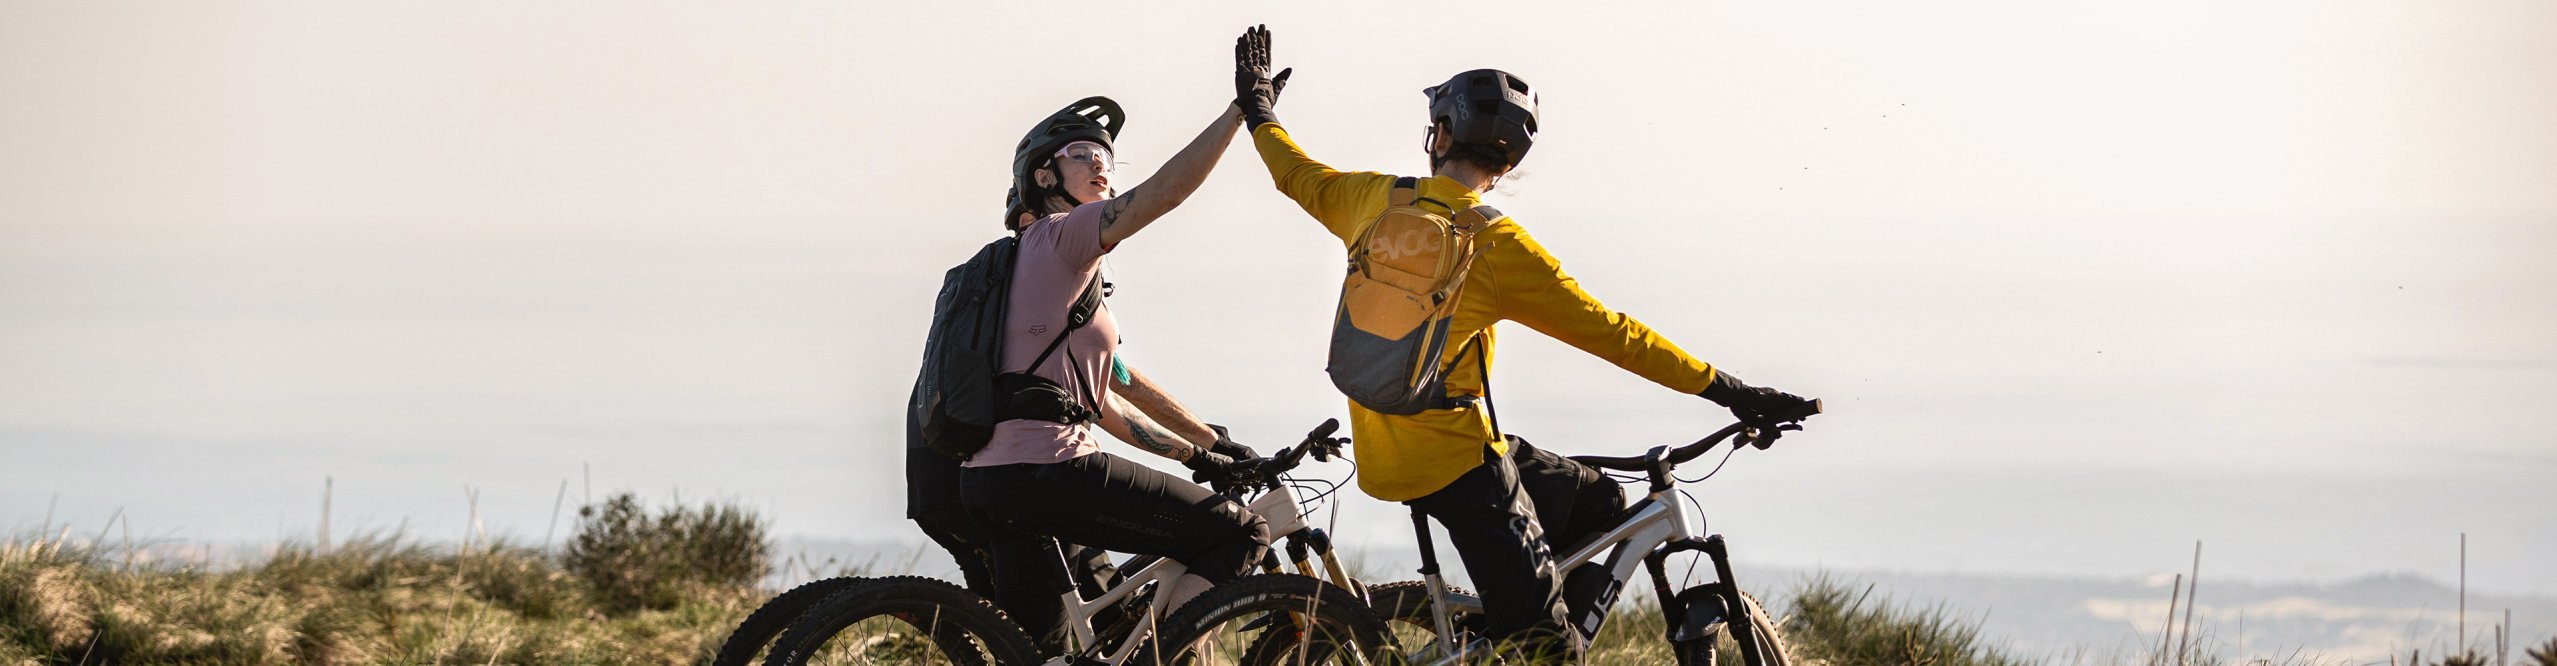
1405	273
1415	242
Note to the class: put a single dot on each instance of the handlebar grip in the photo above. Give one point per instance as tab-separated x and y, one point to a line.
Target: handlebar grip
1334	425
1314	442
1806	410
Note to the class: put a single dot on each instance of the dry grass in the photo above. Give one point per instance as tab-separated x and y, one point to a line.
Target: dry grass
383	599
378	599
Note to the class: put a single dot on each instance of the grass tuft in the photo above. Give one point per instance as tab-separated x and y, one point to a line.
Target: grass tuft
1836	623
384	599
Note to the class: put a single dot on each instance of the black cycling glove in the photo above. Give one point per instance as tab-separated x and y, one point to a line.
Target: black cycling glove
1225	444
1210	467
1255	91
1752	404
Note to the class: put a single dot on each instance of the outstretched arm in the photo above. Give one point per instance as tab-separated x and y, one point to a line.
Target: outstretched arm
1181	175
1535	291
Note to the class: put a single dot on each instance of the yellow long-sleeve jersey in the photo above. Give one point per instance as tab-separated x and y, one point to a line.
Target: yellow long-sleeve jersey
1405	457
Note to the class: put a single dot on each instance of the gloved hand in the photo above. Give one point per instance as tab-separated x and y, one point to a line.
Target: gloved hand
1225	444
1210	467
1755	405
1255	91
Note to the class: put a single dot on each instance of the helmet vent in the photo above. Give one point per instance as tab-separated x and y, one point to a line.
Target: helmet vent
1518	85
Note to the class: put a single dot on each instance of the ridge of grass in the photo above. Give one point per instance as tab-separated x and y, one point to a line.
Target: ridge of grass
665	587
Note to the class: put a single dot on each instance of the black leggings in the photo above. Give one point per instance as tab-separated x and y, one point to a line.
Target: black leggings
1101	501
1090	568
1500	517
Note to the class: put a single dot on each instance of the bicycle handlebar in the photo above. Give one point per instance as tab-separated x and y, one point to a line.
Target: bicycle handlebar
1761	434
1265	471
1318	442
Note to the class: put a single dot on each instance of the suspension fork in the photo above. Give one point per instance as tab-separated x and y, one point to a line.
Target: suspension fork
1743	623
1674	614
1738	618
1332	569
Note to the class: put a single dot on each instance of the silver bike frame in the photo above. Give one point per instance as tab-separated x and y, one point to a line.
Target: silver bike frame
1658	520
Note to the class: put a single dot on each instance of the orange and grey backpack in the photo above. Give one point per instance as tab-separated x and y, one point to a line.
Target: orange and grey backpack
1406	270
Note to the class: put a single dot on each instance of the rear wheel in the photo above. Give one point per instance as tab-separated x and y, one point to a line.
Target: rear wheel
746	644
903	620
1270	620
1410	622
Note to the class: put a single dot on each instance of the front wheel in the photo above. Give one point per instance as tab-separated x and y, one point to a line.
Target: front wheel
903	620
1724	648
1272	620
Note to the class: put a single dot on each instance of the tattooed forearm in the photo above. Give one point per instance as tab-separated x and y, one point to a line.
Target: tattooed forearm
1131	425
1155	439
1141	392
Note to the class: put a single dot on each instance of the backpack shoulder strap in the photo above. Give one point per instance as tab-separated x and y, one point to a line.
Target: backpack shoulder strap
1075	317
1478	217
1406	190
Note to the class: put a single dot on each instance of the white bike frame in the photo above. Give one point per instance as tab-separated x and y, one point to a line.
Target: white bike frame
1278	506
1656	521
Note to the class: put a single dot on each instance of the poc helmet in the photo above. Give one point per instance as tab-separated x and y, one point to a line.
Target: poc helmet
1489	114
1095	119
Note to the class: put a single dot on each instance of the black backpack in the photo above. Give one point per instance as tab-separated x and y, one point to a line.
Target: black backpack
960	397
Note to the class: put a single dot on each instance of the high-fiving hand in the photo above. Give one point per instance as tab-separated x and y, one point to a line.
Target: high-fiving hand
1255	91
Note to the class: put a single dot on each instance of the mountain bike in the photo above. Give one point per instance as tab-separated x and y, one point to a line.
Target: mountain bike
1450	619
1306	620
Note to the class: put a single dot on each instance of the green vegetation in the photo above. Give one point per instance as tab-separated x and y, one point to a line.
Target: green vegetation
634	561
635	587
1834	623
662	589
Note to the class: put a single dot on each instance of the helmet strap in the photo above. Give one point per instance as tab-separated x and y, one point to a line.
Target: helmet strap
1038	201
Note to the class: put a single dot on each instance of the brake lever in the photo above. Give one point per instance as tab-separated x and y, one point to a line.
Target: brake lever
1330	447
1766	436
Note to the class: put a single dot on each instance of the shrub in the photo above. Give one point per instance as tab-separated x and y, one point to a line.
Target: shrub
1831	623
632	560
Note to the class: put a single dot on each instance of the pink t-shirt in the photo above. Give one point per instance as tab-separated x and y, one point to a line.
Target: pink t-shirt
1059	256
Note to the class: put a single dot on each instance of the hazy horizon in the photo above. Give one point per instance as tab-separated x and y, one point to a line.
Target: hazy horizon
2081	284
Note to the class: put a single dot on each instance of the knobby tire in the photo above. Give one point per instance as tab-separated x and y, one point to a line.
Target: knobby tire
1344	629
963	627
768	621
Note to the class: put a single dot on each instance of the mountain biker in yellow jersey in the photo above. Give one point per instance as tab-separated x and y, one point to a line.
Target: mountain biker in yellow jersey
1042	476
1500	499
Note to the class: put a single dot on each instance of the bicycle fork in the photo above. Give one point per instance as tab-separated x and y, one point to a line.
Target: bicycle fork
1737	615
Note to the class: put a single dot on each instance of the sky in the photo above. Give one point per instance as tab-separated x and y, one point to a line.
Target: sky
2082	283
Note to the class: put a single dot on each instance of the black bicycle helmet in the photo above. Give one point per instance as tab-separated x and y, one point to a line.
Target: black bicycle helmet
1095	119
1488	112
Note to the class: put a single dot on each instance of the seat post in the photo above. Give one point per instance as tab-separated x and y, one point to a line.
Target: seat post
1429	552
1438	613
